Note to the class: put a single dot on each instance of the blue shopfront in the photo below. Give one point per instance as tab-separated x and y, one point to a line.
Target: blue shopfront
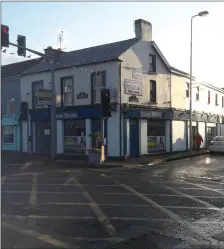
73	128
148	131
10	133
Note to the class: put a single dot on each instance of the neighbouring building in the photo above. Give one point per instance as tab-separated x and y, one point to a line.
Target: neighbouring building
150	112
10	103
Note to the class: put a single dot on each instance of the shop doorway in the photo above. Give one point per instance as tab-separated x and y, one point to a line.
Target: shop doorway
43	137
134	138
211	132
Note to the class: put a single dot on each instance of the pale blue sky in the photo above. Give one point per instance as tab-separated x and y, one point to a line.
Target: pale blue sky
87	24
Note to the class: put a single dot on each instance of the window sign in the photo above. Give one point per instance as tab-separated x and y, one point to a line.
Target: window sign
156	143
8	134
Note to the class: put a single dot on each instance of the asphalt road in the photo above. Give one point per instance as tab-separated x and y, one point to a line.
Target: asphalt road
176	205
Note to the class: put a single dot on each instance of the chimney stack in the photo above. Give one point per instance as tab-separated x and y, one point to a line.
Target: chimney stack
143	30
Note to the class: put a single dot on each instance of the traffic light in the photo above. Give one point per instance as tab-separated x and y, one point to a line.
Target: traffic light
4	36
21	41
106	105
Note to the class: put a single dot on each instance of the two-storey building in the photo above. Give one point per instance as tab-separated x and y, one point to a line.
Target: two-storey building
146	116
10	103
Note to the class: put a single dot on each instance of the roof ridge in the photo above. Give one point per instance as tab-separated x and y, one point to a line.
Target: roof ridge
106	44
21	62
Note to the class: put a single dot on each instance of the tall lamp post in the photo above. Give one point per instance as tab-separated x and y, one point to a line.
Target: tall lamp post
202	13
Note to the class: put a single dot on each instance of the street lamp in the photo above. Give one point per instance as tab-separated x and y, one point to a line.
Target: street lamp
202	13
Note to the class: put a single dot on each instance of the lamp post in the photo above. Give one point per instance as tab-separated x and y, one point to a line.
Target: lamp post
202	13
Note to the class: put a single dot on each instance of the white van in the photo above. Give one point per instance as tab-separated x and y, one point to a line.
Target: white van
217	144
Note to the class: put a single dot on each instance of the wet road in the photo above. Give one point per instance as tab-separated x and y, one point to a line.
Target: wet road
176	205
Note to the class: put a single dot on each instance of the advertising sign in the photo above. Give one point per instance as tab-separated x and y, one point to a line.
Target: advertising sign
156	143
133	87
137	73
44	97
151	114
77	142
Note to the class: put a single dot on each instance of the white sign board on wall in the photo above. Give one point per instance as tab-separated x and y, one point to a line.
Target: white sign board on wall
132	87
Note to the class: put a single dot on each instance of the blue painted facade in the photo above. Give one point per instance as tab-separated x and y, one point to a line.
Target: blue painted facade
10	88
14	123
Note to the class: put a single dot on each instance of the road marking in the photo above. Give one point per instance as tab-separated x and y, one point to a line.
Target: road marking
60	192
69	180
111	204
89	239
104	221
43	237
190	197
26	166
166	211
33	194
63	184
205	188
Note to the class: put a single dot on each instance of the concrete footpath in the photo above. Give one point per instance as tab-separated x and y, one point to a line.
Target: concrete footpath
143	161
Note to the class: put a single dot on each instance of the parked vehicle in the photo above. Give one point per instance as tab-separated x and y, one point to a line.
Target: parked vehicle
217	144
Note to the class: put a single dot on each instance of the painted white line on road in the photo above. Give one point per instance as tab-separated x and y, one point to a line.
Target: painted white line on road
33	194
162	209
220	191
43	237
206	204
25	166
69	180
111	204
102	218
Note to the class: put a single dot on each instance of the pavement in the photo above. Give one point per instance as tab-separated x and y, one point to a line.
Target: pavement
176	204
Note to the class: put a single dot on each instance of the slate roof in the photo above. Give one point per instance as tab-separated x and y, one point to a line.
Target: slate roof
102	53
16	69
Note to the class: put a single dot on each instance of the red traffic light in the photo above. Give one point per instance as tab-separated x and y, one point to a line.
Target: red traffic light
5	30
107	94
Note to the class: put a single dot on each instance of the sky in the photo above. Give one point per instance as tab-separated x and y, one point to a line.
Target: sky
87	24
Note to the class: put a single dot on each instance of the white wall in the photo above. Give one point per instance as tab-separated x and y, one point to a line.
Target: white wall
82	81
143	142
138	57
24	137
127	124
60	137
113	134
201	130
88	131
167	133
179	135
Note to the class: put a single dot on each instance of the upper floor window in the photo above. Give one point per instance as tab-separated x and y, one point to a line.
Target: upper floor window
67	91
197	93
216	99
152	91
222	101
209	97
98	83
37	85
187	90
152	63
11	106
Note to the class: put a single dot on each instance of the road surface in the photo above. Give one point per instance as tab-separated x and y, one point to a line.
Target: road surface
179	204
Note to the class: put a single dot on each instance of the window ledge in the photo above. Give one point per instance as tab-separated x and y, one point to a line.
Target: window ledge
153	73
153	103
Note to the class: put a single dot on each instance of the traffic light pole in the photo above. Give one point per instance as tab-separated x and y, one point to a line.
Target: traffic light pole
53	106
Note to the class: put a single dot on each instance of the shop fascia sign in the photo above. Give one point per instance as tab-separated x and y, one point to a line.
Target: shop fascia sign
66	115
151	114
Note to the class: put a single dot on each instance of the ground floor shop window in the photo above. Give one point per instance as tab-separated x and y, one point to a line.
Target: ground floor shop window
8	134
156	136
75	137
211	133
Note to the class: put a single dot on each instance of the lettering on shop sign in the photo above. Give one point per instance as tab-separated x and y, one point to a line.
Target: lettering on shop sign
82	95
153	114
66	115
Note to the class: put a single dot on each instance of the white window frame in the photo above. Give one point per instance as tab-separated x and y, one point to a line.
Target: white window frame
97	89
64	91
11	100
